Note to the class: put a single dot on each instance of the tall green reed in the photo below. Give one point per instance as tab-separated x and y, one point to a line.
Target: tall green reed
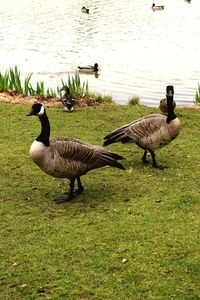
11	80
197	95
76	87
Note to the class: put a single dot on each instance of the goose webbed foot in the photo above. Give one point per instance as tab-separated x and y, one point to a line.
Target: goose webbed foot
160	167
154	164
64	198
68	196
146	162
71	194
78	192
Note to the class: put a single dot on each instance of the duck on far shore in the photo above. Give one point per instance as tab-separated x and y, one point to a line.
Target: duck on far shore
85	10
157	7
89	69
68	99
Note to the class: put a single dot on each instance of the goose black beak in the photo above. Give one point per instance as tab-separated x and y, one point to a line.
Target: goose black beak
30	113
170	90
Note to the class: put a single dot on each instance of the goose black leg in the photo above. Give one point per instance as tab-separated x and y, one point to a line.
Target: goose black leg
144	158
69	196
80	187
154	164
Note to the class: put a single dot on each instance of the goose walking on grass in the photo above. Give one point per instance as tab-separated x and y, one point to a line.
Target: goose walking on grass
67	99
150	132
89	69
157	7
67	157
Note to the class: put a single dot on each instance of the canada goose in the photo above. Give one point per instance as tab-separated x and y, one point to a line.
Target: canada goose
157	7
163	105
67	99
89	69
150	132
85	10
66	157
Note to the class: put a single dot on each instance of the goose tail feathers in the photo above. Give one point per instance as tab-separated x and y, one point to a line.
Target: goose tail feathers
111	159
114	137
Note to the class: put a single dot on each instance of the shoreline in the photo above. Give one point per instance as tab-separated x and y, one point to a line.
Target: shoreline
15	98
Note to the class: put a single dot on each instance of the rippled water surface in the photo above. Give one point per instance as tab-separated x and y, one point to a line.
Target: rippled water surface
139	51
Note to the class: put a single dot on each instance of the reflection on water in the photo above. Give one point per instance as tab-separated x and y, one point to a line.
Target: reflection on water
139	50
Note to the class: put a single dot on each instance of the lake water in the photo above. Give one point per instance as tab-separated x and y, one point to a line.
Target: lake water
139	51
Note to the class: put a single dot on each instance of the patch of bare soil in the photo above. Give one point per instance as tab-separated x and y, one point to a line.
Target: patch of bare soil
14	97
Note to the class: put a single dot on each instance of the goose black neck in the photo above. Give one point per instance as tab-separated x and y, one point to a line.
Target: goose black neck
45	131
171	115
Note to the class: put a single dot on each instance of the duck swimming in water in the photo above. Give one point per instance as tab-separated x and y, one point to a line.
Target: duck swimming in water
85	10
157	7
89	69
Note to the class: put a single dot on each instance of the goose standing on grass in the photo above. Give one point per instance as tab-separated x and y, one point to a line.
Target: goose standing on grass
85	10
150	132
163	105
67	99
157	7
89	69
67	157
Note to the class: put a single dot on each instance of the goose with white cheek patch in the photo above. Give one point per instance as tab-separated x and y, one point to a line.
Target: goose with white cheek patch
150	132
65	157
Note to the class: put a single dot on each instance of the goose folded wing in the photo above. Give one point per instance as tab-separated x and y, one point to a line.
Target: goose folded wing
75	150
145	126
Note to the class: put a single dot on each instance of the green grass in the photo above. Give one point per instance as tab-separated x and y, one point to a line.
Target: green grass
76	250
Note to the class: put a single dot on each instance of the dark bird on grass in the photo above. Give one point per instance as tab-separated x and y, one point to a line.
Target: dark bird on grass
68	99
85	10
66	157
163	105
157	7
89	69
150	132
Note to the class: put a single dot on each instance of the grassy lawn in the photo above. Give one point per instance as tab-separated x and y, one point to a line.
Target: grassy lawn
132	234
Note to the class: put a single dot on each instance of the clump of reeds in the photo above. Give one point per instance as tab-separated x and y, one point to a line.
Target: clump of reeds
197	96
135	100
75	86
98	97
11	80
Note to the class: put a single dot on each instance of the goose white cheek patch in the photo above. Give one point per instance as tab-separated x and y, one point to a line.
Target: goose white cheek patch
41	112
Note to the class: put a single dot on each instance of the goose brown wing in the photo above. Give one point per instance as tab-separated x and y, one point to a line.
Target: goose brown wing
133	131
145	127
91	155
